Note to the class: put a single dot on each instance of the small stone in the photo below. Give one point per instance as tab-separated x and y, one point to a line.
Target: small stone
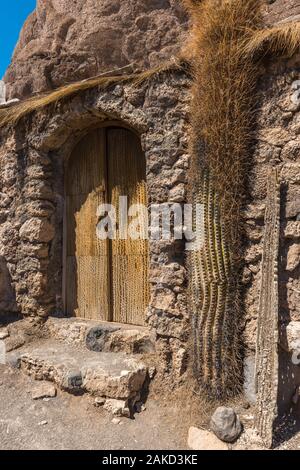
292	229
13	360
2	352
99	401
177	194
14	342
117	407
151	372
97	337
43	423
254	211
44	390
37	230
226	424
131	341
293	257
4	333
73	380
293	336
139	407
116	421
199	439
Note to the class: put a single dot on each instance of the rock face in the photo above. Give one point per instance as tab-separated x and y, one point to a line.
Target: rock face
282	10
69	40
226	424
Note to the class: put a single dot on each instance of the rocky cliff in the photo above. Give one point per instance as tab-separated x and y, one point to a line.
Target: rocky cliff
68	40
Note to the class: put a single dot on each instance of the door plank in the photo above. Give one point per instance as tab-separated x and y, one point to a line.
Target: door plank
87	279
129	258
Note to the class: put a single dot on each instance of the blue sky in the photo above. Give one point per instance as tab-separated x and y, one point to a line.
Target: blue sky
12	17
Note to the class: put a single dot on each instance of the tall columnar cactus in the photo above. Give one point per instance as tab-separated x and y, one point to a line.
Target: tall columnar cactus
227	44
222	111
216	339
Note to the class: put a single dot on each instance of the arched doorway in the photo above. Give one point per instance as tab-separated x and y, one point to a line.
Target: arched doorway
105	279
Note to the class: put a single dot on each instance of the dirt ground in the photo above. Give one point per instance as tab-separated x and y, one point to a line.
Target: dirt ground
67	422
74	423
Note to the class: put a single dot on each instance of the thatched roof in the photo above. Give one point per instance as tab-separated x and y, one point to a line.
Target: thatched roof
12	114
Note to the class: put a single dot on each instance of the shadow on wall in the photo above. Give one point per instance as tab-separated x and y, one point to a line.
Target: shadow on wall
7	294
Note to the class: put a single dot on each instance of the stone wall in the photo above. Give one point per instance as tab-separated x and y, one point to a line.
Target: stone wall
33	156
278	145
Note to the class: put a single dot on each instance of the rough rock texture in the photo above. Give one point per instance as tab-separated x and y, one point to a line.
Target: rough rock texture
117	407
277	146
293	257
249	440
32	165
100	336
65	41
33	156
110	375
278	133
293	336
43	390
281	10
226	424
4	333
267	364
199	439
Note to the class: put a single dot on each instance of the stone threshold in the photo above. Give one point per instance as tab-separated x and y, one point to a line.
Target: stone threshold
116	380
101	336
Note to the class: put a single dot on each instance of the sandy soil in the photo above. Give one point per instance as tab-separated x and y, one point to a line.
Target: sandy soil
68	422
74	422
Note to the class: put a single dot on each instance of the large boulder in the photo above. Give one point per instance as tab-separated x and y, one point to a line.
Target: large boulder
67	40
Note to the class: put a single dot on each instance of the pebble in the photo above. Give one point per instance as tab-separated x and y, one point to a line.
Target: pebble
4	333
116	421
43	423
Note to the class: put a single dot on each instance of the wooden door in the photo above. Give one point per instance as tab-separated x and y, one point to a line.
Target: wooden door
87	256
105	279
129	258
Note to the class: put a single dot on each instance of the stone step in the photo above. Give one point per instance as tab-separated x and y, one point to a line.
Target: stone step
111	376
101	336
